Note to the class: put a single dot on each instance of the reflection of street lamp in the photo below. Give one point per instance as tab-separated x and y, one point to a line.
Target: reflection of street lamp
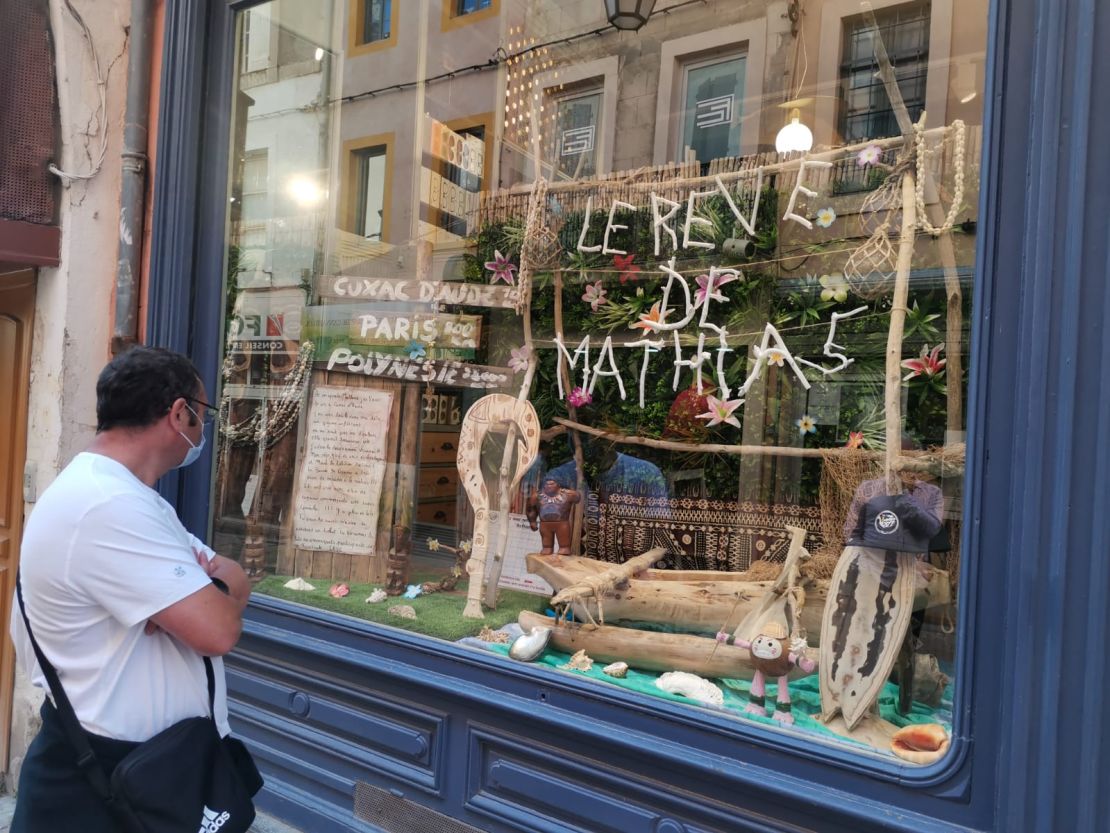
628	14
794	136
304	191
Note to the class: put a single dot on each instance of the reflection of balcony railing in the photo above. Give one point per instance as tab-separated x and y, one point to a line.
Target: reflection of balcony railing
675	181
847	176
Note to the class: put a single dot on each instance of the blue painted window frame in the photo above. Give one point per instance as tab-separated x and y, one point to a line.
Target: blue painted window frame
1026	46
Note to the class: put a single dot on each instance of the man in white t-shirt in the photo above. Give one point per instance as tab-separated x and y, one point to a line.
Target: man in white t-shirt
122	600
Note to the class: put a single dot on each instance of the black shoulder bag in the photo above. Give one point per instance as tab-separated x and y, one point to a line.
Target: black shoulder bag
185	779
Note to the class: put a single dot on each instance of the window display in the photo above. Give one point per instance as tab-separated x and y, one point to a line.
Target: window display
692	427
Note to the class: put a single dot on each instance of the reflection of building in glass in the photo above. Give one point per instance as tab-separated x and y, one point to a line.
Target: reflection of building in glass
866	112
370	214
462	186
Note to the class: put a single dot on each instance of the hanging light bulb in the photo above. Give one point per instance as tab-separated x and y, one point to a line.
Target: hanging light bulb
795	136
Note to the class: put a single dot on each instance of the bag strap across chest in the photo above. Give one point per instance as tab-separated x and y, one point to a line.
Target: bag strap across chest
86	758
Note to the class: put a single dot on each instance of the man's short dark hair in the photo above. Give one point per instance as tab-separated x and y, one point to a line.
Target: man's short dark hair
139	386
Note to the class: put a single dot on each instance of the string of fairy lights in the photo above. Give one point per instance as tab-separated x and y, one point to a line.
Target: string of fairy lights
524	96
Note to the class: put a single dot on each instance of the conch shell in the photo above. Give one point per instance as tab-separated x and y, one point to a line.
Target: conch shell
616	669
922	743
298	584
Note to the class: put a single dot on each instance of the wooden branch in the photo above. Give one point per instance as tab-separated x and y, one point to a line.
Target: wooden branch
894	338
579	509
597	585
507	479
927	463
646	649
953	335
706	448
953	320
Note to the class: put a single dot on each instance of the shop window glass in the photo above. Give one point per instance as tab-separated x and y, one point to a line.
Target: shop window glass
446	358
256	38
577	125
254	209
376	20
370	185
469	6
866	111
714	97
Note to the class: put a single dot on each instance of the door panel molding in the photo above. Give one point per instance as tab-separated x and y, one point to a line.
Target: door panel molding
17	315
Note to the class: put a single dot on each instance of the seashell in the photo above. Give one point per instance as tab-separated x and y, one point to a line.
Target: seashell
775	630
529	646
579	662
378	595
298	584
616	669
488	634
404	611
339	590
692	686
921	743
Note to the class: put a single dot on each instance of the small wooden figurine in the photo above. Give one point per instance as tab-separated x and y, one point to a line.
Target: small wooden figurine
552	507
771	657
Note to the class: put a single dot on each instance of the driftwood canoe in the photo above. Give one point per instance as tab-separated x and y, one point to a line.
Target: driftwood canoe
647	650
610	599
700	601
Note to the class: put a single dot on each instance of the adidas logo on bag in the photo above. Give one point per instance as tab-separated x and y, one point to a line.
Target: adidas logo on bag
213	821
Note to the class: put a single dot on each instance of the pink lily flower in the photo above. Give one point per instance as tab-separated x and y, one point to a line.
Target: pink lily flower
721	411
595	295
708	287
502	268
928	363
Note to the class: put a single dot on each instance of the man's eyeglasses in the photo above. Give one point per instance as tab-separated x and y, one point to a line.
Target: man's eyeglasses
208	413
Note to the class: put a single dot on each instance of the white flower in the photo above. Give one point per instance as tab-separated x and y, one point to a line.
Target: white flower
835	287
870	155
825	216
519	358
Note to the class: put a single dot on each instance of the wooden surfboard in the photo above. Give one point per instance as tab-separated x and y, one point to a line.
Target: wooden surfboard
866	617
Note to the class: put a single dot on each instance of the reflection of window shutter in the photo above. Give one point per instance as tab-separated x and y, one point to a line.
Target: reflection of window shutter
258	38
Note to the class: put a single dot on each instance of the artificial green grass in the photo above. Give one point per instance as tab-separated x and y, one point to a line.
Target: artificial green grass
805	694
437	614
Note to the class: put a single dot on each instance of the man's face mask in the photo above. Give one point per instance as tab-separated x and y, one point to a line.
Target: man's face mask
194	450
